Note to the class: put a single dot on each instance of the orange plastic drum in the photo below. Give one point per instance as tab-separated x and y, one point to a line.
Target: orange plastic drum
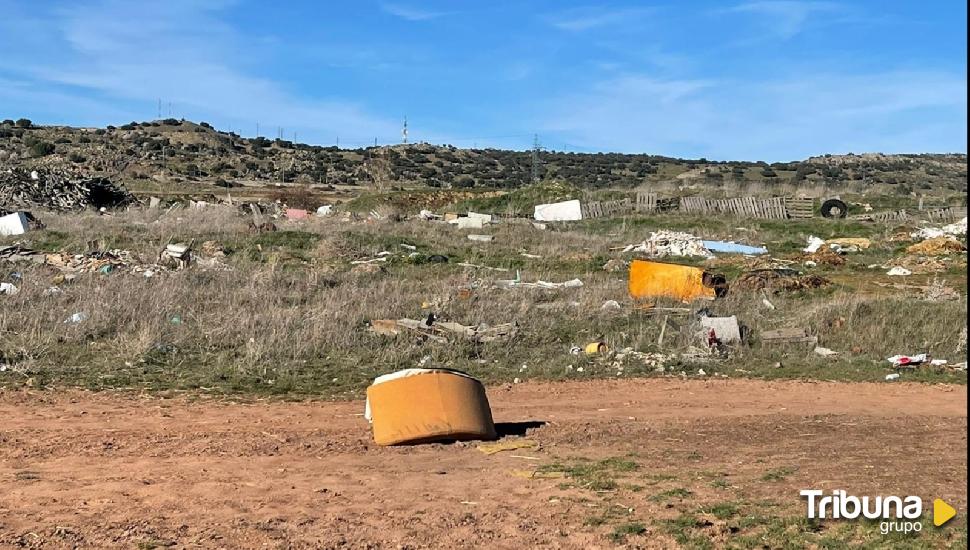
420	406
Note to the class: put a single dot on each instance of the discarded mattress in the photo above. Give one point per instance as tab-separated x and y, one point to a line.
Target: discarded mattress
425	405
651	279
559	211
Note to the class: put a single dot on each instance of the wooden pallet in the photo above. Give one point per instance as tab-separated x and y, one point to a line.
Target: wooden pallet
599	209
746	207
646	201
800	207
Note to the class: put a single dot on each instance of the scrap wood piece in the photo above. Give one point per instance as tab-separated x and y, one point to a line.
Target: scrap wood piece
788	336
508	445
466	264
385	326
436	330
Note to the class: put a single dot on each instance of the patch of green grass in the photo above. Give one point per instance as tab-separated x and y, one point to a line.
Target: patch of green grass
622	531
778	474
671	494
683	528
598	475
50	240
720	484
723	510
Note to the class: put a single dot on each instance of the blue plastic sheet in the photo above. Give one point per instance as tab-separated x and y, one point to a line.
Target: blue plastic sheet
733	248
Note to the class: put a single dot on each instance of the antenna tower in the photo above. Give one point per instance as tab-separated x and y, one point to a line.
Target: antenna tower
536	162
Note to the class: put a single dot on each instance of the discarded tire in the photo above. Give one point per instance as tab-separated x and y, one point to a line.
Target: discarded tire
834	208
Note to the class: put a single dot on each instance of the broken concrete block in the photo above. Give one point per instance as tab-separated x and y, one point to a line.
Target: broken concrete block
481	238
726	329
469	223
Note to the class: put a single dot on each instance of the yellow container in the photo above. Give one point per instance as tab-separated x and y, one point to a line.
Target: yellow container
429	405
595	348
652	279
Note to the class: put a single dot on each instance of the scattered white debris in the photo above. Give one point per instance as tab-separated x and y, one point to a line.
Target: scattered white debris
814	243
612	305
825	352
8	288
953	229
899	272
891	377
908	360
76	318
517	283
481	238
671	243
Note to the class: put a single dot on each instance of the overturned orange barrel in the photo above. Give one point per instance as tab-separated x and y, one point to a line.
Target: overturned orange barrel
651	279
424	405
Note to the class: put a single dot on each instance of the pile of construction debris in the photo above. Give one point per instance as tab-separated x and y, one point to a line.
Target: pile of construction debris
104	261
173	257
21	189
670	243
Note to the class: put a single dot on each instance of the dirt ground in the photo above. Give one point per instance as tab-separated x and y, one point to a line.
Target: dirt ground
107	470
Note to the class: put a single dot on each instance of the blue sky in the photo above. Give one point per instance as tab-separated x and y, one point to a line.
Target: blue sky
750	80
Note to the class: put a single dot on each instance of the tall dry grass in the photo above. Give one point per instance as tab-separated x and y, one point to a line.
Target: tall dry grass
290	314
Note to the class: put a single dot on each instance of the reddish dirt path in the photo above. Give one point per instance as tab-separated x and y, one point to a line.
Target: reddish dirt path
103	470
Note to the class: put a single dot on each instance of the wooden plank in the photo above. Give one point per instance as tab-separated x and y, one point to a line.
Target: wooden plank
787	336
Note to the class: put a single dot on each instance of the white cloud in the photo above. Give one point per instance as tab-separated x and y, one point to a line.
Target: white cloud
785	18
410	13
183	53
775	120
583	19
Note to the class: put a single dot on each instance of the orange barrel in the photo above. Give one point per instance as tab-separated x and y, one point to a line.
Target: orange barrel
425	405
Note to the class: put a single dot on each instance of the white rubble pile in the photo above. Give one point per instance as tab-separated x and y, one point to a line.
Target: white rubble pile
671	243
953	230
